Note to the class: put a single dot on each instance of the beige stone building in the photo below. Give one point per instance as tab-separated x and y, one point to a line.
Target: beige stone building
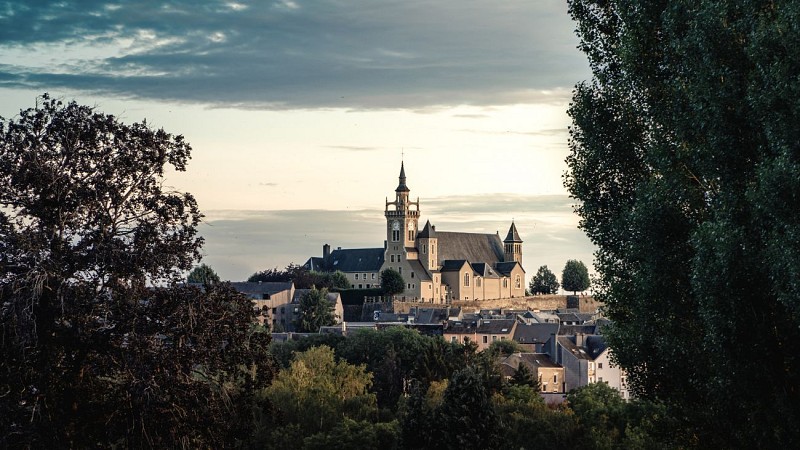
441	266
436	266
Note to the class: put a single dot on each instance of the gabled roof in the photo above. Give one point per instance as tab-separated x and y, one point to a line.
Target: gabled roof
512	235
594	346
496	326
484	270
356	260
271	287
505	268
473	247
535	333
532	360
577	329
315	263
419	270
453	265
461	327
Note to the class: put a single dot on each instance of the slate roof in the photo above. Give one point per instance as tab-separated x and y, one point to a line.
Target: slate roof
477	247
484	270
512	235
452	265
532	360
419	270
428	231
594	346
565	330
496	326
461	327
402	186
535	333
505	268
315	263
251	288
356	260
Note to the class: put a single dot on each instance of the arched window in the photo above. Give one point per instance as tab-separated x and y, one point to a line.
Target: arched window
505	282
517	282
466	279
477	281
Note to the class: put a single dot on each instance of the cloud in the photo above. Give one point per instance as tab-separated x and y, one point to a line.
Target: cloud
239	243
353	148
295	54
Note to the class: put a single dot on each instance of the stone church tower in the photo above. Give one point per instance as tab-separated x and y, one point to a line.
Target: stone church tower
512	245
401	219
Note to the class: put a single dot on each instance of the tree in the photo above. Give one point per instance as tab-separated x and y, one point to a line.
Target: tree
338	280
91	355
575	276
392	282
683	161
544	282
203	274
315	311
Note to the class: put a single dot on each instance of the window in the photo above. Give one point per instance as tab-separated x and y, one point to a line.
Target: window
486	339
466	279
359	286
517	282
356	276
424	248
408	286
392	258
395	235
412	274
555	378
599	365
274	310
364	276
505	282
494	338
478	281
453	339
373	276
264	296
400	270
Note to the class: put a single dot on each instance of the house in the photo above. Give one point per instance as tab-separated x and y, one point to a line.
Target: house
549	374
533	337
586	359
461	332
493	330
270	299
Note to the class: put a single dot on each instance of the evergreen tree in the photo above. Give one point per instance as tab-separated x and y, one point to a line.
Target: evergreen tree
544	282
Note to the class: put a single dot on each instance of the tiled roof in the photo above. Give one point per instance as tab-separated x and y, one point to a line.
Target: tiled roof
473	247
356	260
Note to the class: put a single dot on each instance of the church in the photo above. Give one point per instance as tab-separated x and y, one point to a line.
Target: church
437	266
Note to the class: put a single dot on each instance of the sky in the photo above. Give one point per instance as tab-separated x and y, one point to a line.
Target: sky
299	113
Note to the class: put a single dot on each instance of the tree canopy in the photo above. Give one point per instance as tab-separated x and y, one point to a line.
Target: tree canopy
684	155
544	282
575	276
316	311
392	282
91	355
203	274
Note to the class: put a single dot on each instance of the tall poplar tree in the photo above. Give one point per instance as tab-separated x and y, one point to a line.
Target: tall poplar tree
684	158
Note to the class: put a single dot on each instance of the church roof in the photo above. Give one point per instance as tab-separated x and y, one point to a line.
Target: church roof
473	247
512	235
419	270
484	270
452	265
428	231
356	260
505	268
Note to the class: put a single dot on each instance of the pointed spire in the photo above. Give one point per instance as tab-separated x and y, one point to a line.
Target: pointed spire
428	231
402	186
512	235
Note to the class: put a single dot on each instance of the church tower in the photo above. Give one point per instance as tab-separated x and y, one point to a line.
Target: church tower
427	247
512	245
401	216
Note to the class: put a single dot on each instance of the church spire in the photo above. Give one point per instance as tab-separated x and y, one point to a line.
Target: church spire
402	186
512	245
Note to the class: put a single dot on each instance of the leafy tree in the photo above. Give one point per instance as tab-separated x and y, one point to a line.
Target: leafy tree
203	274
315	311
684	155
544	282
317	391
525	377
270	275
575	276
504	347
338	280
392	282
467	413
303	278
91	356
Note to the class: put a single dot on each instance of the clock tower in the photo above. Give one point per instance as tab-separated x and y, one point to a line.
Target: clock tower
402	216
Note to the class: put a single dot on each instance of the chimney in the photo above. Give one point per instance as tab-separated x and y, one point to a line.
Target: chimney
326	252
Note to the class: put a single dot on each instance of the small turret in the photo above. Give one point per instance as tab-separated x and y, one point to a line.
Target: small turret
512	245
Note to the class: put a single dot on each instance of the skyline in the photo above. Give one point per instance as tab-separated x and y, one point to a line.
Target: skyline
298	112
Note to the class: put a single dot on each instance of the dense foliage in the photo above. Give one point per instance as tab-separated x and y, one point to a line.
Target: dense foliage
303	278
91	356
685	152
392	282
544	282
315	311
203	274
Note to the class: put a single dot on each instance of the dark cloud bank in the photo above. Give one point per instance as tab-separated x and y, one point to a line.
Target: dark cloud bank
300	54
